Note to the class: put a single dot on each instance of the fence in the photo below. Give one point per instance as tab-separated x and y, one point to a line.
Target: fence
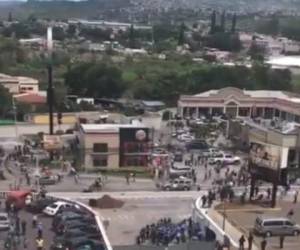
192	245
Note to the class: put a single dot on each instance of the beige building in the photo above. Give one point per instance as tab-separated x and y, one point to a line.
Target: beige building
19	84
236	102
114	145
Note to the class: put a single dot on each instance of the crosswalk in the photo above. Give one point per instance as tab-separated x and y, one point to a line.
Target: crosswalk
146	217
134	195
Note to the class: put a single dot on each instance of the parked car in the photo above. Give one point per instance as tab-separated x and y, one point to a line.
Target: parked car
76	223
76	233
47	180
225	159
4	221
210	152
39	205
64	217
178	184
185	137
84	226
77	243
276	227
178	157
52	209
197	145
176	171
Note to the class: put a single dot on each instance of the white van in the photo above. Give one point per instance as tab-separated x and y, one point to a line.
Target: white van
275	226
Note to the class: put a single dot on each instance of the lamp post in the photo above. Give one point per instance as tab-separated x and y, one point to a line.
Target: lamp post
15	115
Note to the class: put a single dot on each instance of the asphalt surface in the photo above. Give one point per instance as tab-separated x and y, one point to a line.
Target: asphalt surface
31	233
126	222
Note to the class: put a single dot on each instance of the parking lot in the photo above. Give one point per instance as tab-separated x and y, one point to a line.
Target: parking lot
31	233
244	220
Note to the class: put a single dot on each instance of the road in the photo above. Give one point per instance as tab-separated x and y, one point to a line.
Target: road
126	222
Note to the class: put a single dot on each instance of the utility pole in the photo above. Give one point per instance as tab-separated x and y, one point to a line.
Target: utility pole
50	98
50	83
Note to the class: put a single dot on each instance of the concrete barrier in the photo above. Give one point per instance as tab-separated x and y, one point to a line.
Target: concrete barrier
203	216
97	218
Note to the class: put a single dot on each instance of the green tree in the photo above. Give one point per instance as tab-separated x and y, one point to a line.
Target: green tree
233	24
223	21
131	37
71	30
213	22
58	33
5	101
181	34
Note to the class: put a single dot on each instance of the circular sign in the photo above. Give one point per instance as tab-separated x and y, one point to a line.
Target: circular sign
140	135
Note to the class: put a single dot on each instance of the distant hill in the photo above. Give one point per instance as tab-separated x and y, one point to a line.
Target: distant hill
59	9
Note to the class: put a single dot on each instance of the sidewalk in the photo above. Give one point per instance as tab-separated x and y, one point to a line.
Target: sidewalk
233	232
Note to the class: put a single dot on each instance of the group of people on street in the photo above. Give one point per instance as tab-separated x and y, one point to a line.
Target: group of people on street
165	232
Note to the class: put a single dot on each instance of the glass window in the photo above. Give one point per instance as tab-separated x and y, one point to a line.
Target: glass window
100	162
273	223
289	223
100	147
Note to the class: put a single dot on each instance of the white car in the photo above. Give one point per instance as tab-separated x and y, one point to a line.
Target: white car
4	221
211	152
186	137
52	209
226	159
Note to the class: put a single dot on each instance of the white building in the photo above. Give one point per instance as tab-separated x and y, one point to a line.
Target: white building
19	84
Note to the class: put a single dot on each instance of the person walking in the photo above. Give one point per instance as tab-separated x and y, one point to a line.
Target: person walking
23	227
281	240
40	230
263	244
242	242
250	241
39	243
296	196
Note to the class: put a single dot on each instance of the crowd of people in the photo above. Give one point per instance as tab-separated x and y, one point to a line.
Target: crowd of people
166	232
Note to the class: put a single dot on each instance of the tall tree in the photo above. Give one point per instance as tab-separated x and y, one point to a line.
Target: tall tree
131	37
181	34
223	21
233	24
10	18
213	22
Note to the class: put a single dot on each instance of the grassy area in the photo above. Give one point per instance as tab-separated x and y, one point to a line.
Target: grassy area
140	172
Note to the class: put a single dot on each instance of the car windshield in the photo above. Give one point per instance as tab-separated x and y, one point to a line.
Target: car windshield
53	206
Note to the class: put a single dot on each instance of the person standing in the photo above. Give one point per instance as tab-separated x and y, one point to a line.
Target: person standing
250	241
39	243
296	196
23	227
263	244
281	240
242	242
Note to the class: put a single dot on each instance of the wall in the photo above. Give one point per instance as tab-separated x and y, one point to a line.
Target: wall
113	144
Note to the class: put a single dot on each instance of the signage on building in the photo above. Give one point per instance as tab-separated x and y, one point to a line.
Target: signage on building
265	155
140	135
52	142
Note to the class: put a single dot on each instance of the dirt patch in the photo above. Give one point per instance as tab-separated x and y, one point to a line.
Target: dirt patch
106	202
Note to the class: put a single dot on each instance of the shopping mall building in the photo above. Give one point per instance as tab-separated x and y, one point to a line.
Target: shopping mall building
265	123
236	102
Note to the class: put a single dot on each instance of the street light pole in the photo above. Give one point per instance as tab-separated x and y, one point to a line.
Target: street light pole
224	216
15	115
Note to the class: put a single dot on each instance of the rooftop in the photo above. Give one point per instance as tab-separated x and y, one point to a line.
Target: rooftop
31	98
283	95
109	128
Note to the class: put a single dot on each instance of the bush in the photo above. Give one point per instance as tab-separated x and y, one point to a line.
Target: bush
92	202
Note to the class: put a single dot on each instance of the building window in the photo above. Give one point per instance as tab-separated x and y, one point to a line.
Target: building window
135	161
100	148
100	162
244	111
135	147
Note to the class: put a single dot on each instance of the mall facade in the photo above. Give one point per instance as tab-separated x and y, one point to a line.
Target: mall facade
236	102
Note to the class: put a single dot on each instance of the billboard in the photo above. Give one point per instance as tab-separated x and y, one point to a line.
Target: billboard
265	155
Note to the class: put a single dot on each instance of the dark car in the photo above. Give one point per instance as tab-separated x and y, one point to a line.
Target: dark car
47	180
72	224
77	243
75	233
39	205
197	145
65	217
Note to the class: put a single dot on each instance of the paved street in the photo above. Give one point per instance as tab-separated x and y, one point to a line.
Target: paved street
244	220
31	233
126	222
